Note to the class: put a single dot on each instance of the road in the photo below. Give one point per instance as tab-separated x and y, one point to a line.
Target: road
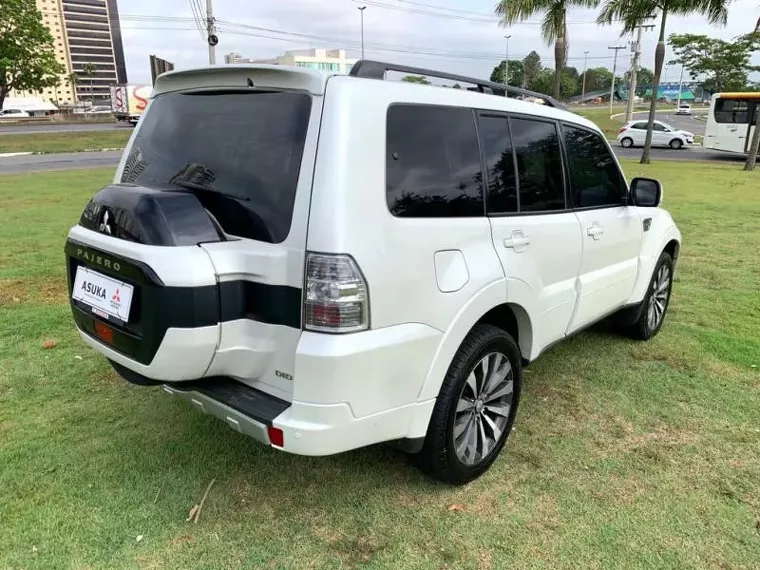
683	122
65	128
58	161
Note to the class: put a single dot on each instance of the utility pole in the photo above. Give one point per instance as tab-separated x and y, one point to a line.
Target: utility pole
635	70
680	86
614	70
583	88
211	33
506	62
361	11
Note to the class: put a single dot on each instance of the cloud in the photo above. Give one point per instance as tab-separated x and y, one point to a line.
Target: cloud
455	45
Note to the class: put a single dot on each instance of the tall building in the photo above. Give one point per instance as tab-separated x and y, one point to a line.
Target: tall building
85	32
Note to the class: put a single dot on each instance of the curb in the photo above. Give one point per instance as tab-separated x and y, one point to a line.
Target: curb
11	154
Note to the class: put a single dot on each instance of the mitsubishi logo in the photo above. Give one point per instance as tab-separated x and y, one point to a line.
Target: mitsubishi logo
105	223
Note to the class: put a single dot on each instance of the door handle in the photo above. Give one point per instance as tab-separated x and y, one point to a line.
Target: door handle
595	231
516	241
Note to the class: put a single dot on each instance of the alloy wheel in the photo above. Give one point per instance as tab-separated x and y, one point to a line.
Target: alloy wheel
483	408
658	300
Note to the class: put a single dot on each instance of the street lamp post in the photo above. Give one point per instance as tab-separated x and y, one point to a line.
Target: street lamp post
361	11
506	61
583	88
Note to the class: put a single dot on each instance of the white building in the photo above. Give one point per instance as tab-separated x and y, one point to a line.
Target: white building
330	60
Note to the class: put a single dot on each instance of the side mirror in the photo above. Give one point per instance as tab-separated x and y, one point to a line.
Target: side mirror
646	192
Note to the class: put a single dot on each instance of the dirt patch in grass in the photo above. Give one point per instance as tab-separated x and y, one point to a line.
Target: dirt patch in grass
50	291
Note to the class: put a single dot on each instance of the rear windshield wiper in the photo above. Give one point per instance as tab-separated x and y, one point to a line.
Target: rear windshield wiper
195	186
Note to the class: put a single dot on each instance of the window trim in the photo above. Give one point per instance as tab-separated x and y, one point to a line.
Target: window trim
565	180
575	207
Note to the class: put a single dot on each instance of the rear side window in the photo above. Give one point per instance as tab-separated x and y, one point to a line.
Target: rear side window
224	144
539	165
731	111
497	151
432	162
595	179
641	126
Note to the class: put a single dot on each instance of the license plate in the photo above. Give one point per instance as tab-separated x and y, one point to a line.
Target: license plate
105	296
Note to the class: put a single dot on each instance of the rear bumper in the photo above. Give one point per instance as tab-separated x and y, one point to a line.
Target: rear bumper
308	429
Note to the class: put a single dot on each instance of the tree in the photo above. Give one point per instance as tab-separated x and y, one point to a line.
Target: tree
570	82
531	67
27	58
89	71
726	65
644	78
553	26
516	73
598	79
73	79
421	79
634	12
543	82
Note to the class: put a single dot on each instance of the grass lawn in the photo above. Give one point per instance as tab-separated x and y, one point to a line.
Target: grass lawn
626	455
72	141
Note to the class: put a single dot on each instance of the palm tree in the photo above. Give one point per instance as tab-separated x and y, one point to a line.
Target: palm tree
553	26
73	79
634	12
89	71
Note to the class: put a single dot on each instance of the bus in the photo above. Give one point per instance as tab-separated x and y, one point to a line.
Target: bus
729	127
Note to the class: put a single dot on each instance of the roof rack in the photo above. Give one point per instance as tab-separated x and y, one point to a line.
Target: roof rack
369	69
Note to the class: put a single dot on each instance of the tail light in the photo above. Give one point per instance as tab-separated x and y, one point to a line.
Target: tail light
336	295
622	129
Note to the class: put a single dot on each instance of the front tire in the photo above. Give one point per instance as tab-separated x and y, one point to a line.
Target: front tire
475	409
676	144
655	304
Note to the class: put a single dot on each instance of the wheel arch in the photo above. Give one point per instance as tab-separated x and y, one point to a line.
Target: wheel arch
486	307
652	247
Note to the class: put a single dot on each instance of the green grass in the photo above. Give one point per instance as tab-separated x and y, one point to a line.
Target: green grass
626	455
72	141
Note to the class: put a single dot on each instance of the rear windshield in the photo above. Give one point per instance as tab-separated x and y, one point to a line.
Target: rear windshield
239	152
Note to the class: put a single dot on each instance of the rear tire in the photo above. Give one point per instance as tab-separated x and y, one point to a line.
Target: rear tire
626	142
676	144
475	409
653	308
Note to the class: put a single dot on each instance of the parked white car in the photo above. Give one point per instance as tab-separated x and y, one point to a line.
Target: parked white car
330	262
14	114
683	109
634	133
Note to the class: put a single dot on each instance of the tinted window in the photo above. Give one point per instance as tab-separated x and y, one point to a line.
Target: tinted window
642	126
246	144
595	179
731	111
433	162
539	165
658	127
497	150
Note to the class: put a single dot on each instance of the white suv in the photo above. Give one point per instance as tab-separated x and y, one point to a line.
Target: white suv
329	262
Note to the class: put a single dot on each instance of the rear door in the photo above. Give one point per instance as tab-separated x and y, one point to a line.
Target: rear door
248	156
611	230
536	237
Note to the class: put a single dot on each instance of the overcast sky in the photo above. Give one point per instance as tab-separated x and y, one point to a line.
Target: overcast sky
401	31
